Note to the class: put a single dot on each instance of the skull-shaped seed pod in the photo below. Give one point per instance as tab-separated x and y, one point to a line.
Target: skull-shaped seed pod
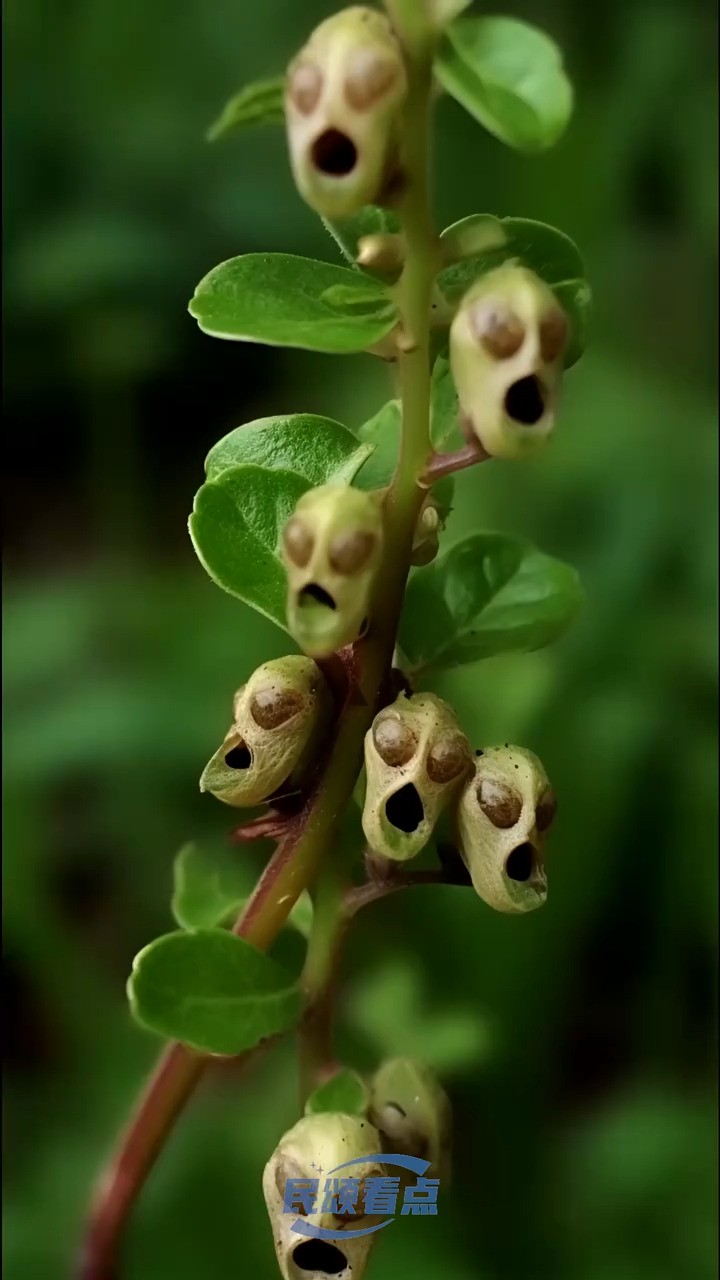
343	96
416	757
507	344
280	716
503	817
332	546
412	1113
320	1143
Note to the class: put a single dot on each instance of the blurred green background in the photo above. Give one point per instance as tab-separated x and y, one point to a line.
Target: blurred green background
578	1044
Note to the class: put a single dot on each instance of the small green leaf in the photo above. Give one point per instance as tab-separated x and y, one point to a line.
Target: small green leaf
258	103
446	431
212	991
370	221
277	299
235	527
550	253
510	77
345	1092
383	431
319	449
488	594
475	234
210	887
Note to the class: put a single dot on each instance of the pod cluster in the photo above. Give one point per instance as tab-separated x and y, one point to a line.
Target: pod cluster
279	719
344	92
418	763
507	346
408	1113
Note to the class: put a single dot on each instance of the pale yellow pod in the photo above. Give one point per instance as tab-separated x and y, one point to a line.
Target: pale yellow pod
332	546
507	344
503	817
343	97
412	1113
416	757
322	1142
280	718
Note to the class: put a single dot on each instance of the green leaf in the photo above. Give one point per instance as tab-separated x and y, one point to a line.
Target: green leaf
548	252
235	527
475	234
319	449
260	103
383	432
345	1092
278	299
446	431
212	885
369	221
212	991
488	594
510	77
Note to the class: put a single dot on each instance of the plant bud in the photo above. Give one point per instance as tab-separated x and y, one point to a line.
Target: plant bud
416	758
507	344
281	714
426	542
384	253
412	1113
503	817
307	1155
332	546
342	102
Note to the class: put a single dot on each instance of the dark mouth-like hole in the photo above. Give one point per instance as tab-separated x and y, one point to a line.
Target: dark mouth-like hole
313	591
239	758
520	863
319	1255
524	401
405	810
334	153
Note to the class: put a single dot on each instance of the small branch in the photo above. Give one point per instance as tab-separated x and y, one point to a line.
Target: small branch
375	890
444	464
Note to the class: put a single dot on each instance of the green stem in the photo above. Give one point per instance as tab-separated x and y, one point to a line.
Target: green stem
297	860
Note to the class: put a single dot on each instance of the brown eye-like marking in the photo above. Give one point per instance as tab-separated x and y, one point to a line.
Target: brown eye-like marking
553	335
447	759
298	542
305	87
394	741
272	707
546	810
369	79
350	551
498	329
500	803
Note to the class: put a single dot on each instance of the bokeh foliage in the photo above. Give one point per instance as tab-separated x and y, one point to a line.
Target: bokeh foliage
578	1044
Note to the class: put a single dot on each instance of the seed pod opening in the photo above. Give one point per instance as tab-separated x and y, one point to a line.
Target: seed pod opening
332	547
342	102
507	344
280	718
295	1180
503	817
412	1113
416	758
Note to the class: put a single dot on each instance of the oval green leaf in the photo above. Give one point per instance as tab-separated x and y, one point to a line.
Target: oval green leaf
212	991
319	449
260	103
510	77
211	886
278	299
345	1092
488	594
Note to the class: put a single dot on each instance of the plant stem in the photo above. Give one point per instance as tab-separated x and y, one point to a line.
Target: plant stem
299	856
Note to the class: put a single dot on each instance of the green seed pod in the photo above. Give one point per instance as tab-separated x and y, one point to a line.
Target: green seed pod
332	546
310	1151
280	715
426	542
416	757
507	343
342	103
503	816
412	1113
